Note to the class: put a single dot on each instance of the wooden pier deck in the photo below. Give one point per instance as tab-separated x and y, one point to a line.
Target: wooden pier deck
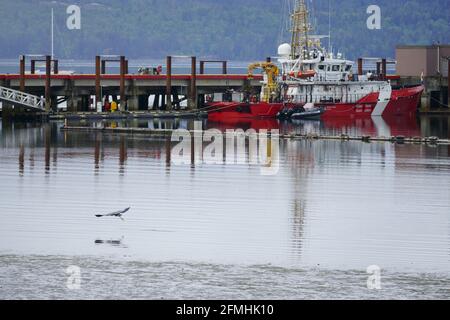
131	91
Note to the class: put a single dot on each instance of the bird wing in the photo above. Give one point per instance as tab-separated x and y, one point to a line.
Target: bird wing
114	214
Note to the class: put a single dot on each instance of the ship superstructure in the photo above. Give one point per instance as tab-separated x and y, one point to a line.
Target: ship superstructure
312	78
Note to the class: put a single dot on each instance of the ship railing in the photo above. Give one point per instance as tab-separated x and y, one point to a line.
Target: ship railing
349	98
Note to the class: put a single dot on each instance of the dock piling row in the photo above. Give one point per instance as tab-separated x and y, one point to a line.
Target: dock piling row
131	92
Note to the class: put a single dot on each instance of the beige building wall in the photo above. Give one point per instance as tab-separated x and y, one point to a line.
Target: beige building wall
413	60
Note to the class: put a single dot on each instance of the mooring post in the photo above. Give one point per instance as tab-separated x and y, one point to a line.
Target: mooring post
224	67
268	59
55	66
126	67
360	66
98	93
22	73
122	83
33	66
448	83
193	90
202	67
169	83
48	69
103	67
384	68
378	69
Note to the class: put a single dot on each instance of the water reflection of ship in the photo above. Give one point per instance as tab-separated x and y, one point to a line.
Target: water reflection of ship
304	157
377	126
300	163
45	141
374	127
244	124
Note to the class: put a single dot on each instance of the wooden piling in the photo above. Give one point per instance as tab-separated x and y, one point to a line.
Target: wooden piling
448	84
202	67
48	69
360	66
193	90
169	82
98	70
22	73
384	68
103	67
123	98
55	66
33	66
224	67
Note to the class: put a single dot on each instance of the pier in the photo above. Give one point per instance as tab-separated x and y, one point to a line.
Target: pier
161	92
131	92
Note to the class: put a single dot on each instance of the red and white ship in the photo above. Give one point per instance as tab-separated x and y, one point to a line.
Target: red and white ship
307	77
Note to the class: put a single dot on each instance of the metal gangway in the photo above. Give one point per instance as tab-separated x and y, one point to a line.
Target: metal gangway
23	99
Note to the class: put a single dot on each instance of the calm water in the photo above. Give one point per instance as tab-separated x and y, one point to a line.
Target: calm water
225	230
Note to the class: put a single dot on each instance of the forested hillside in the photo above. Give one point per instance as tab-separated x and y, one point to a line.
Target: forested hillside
231	29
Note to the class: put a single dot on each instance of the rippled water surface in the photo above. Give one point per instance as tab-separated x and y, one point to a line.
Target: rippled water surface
224	230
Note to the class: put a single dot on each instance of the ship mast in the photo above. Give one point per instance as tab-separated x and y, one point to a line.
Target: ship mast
300	29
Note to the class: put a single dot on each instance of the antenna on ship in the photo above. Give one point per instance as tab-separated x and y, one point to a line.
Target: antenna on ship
300	29
329	26
53	36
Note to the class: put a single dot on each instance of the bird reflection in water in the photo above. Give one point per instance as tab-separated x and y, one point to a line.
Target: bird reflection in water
112	242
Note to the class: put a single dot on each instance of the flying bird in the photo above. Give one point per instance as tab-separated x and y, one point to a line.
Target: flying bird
117	214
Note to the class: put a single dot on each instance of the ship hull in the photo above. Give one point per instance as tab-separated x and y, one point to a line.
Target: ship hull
225	111
402	102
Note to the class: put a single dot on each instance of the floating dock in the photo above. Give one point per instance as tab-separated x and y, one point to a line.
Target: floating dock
343	137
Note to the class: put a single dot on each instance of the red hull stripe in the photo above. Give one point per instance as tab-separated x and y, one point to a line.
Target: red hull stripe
403	102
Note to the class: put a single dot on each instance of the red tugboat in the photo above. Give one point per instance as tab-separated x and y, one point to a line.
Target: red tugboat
312	81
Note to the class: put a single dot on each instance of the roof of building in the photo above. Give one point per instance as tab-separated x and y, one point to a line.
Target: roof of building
433	46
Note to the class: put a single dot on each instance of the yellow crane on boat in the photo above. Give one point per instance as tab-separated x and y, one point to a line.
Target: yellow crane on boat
272	71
